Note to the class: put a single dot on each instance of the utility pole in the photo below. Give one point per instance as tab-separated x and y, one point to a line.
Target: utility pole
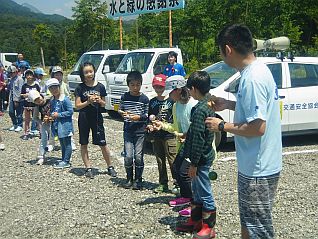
121	33
170	28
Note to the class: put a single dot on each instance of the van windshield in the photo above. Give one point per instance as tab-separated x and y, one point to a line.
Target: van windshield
135	61
219	73
95	59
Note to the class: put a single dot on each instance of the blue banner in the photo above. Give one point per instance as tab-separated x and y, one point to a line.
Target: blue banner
120	8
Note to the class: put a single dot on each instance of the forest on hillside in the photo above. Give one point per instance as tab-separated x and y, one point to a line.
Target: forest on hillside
194	29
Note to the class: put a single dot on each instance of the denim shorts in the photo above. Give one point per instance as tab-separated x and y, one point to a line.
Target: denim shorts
256	198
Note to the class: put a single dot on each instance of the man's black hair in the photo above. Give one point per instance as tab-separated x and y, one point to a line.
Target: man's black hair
199	80
173	53
134	76
237	36
81	70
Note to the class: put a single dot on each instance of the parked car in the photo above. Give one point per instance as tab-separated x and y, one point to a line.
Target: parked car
148	62
297	83
105	61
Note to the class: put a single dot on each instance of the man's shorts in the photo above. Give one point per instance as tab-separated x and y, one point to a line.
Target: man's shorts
88	122
256	198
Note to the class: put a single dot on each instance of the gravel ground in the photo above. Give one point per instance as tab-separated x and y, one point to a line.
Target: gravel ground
41	202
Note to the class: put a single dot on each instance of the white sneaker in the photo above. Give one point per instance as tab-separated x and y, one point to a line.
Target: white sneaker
49	148
18	129
12	128
40	160
2	147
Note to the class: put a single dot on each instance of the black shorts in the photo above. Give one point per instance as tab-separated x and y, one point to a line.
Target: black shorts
94	122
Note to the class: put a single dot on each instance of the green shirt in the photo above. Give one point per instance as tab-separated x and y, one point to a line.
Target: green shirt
198	144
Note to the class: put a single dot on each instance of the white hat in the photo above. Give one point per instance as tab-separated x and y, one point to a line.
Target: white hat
57	69
33	95
174	82
12	69
52	82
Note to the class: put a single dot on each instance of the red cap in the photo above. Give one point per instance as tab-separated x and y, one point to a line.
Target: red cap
159	80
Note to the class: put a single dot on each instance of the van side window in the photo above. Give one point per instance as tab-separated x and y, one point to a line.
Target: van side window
113	61
276	70
302	75
160	64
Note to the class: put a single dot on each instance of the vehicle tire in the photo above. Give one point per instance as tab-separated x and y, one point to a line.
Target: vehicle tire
113	114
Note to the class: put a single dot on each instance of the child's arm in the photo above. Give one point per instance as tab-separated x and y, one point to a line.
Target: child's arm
68	110
197	129
35	116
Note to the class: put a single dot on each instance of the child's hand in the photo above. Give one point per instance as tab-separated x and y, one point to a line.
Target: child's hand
55	115
133	117
192	171
157	125
150	128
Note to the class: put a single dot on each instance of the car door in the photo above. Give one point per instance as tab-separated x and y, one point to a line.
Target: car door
279	73
302	96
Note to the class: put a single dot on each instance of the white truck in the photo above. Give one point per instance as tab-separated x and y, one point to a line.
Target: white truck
8	58
148	62
104	61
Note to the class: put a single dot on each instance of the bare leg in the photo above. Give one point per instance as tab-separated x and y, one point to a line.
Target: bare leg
244	233
85	158
106	154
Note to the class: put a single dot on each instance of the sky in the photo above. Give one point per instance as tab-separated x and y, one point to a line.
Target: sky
61	7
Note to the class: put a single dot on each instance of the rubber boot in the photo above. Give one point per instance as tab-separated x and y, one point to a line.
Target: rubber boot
138	177
129	182
207	230
194	223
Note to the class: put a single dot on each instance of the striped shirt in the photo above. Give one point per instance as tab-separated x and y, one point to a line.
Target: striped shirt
137	105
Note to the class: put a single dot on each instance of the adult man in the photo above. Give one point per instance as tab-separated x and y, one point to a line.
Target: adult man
173	68
15	100
21	62
257	132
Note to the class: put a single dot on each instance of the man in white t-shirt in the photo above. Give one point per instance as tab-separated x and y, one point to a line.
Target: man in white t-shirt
257	130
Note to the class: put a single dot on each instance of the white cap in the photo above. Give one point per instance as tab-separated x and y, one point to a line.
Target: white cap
174	82
57	69
33	95
52	82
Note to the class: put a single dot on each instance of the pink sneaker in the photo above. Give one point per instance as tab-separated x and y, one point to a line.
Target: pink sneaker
185	212
179	202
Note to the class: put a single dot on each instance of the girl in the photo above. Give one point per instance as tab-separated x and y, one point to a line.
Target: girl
28	106
62	125
181	111
89	100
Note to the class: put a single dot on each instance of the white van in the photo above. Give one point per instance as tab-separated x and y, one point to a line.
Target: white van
8	58
104	61
297	83
149	62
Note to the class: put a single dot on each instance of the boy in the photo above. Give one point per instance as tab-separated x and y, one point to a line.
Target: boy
198	150
134	109
15	99
43	108
164	143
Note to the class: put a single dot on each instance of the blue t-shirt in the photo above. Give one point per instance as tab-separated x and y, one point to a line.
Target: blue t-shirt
176	69
257	98
183	114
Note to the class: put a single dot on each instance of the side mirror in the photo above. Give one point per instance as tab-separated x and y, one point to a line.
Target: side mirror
106	69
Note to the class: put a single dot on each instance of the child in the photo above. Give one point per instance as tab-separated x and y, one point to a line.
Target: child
164	143
43	108
15	99
62	125
198	149
134	109
28	106
89	100
181	111
57	73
